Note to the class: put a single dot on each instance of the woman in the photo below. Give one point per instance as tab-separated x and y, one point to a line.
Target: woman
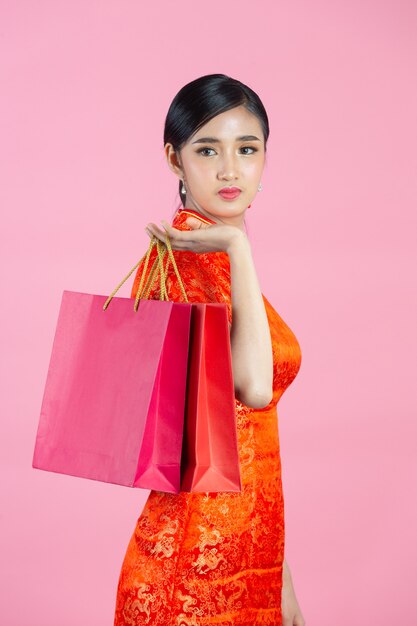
218	558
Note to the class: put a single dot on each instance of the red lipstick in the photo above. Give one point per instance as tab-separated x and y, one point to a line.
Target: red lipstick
229	193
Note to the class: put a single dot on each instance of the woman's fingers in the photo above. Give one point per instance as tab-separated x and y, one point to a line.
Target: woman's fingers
209	238
178	238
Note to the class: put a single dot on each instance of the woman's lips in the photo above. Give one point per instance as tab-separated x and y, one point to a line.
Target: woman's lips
229	195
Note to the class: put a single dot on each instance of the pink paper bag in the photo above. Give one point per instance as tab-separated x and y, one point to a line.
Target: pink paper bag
114	399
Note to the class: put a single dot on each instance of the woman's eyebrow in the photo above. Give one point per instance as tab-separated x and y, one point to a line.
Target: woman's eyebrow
215	140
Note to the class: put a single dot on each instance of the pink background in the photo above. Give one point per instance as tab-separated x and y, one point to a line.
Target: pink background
85	90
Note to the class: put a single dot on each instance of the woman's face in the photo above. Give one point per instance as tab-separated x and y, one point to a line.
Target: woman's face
228	151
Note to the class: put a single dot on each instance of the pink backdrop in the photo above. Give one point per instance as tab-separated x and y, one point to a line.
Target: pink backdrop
85	90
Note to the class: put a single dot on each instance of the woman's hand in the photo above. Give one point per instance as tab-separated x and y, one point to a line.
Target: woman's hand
291	612
202	238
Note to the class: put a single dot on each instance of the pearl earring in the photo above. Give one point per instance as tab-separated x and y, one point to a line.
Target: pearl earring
183	190
260	187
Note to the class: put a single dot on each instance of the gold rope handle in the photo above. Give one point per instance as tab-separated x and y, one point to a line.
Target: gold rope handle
144	293
161	250
144	289
146	257
163	272
174	265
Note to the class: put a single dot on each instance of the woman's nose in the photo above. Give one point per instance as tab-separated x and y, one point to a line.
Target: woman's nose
228	168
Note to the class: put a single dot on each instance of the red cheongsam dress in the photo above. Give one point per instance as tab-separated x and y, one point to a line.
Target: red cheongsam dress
214	558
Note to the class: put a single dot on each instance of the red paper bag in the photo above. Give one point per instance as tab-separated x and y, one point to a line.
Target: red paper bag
210	459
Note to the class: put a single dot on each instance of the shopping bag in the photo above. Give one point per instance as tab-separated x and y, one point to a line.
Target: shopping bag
143	397
114	399
210	456
210	460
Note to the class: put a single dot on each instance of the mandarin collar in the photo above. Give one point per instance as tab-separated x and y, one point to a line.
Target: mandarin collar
182	211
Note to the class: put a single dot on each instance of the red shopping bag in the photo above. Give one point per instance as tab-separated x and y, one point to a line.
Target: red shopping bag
113	404
210	460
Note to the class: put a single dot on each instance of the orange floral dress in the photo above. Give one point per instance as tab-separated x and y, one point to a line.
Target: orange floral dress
214	558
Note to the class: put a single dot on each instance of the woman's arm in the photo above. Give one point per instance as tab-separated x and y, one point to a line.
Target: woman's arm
250	336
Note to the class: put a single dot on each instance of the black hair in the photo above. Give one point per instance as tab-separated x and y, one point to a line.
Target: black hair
202	99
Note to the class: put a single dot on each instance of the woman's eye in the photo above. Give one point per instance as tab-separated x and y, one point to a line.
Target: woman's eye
250	148
243	148
203	149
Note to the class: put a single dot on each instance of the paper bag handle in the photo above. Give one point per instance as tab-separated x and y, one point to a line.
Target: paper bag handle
144	290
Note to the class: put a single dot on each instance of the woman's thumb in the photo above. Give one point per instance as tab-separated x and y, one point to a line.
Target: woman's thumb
194	223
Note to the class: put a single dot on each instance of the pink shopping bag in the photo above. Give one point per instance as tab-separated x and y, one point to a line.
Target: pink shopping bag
114	399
